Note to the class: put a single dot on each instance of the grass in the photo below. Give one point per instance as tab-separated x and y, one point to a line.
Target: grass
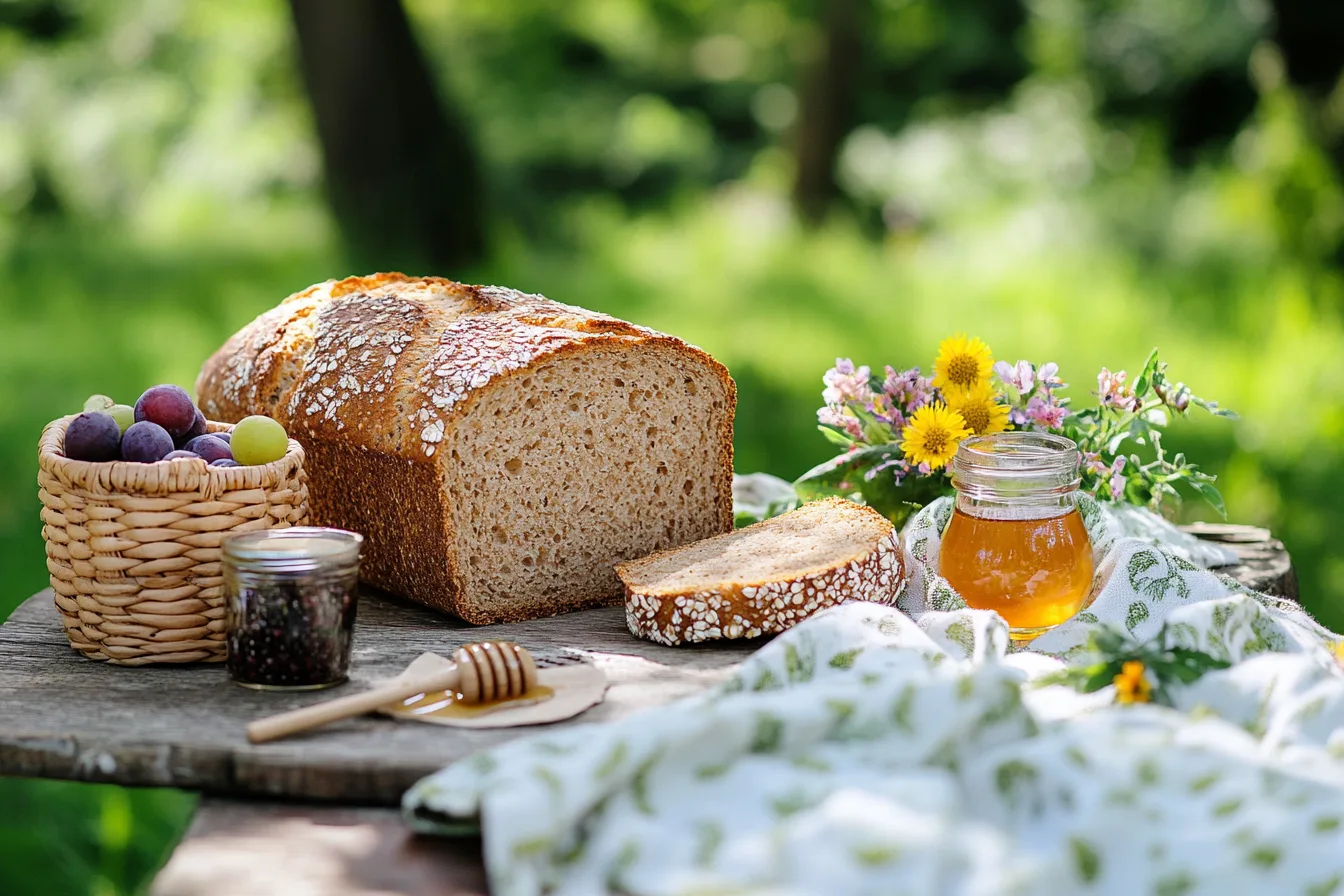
58	838
90	311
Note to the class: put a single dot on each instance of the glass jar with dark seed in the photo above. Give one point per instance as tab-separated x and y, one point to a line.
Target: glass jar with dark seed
290	597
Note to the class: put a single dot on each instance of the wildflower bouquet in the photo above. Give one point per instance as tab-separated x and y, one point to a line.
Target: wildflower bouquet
900	430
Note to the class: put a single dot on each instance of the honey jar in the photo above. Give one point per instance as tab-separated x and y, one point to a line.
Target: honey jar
1016	543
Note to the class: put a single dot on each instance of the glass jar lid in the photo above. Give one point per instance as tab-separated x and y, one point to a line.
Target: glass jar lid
296	549
1016	467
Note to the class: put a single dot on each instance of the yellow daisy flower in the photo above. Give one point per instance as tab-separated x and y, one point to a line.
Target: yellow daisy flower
962	363
932	435
980	408
1131	685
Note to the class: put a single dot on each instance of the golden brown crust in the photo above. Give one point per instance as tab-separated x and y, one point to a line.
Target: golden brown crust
372	372
406	549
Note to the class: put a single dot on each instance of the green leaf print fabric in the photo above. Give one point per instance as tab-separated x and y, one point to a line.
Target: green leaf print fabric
875	751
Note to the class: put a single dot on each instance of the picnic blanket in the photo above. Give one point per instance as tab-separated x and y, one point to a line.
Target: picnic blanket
874	750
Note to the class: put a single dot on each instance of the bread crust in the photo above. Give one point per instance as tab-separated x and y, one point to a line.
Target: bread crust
372	373
730	610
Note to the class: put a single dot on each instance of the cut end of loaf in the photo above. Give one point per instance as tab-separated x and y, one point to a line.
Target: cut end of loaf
582	462
765	578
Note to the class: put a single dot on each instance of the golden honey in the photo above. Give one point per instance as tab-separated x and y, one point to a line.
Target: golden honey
1035	573
1016	543
446	704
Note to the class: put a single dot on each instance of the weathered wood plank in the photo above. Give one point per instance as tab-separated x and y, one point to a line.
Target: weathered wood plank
246	848
66	717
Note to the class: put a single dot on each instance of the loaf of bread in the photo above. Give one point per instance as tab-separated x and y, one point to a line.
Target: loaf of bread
765	578
499	451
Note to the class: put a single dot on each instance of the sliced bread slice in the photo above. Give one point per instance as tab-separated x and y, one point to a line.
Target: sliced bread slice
765	578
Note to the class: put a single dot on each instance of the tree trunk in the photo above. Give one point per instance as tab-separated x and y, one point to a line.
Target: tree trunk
401	173
827	106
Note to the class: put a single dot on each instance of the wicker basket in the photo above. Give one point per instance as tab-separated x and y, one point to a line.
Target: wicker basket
134	549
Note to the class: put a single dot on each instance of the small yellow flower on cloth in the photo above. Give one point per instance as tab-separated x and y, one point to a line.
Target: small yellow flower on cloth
1132	685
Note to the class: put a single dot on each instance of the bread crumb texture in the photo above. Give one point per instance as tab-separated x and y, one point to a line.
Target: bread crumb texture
554	442
765	578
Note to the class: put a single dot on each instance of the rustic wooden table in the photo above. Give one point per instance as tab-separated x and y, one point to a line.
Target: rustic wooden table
67	717
182	726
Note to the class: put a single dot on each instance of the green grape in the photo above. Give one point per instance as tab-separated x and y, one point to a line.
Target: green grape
99	403
258	440
124	414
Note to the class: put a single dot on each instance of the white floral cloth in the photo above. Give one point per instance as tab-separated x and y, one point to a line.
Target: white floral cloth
874	751
1130	521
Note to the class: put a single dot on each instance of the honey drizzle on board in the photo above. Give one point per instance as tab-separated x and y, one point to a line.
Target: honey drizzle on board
443	704
1035	573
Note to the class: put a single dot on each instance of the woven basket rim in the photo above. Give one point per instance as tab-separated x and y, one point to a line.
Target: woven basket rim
192	475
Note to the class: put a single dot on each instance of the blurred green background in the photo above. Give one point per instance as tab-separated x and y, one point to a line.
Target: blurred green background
779	181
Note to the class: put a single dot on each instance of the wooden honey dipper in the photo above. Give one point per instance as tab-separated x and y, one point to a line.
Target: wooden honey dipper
481	672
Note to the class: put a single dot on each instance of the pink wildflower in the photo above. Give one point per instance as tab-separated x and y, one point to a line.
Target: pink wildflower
1118	478
907	389
1094	464
882	408
846	383
834	415
1021	376
1113	391
1048	377
1045	413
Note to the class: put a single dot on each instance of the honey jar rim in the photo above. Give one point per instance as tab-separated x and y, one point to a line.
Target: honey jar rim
1024	468
1018	451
